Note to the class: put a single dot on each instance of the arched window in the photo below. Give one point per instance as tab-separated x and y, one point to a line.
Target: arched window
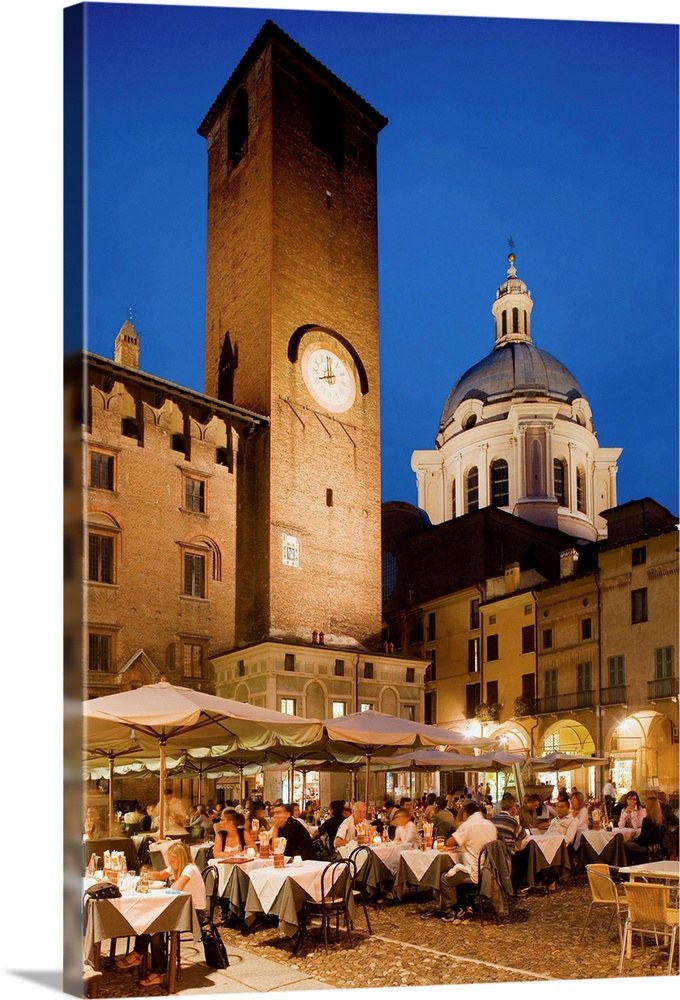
581	489
560	480
453	498
237	129
515	320
504	322
500	494
472	490
526	322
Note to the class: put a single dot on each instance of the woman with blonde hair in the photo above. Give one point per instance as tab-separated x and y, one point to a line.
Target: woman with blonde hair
187	878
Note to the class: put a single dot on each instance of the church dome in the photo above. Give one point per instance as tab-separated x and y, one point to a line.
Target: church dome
513	369
516	368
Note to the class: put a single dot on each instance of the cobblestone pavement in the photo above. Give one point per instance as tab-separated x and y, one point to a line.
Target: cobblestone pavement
538	941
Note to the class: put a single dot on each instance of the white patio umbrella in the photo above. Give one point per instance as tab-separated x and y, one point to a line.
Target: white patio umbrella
378	734
167	717
434	760
565	762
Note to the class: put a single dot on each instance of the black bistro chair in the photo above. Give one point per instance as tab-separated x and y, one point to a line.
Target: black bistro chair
361	857
337	880
211	882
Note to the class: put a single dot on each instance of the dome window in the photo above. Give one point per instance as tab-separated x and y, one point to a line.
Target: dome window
581	489
500	495
504	323
515	320
560	481
472	490
469	421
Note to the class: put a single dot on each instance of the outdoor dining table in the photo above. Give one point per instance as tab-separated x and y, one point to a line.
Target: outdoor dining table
125	844
422	869
281	892
546	850
163	910
667	872
233	882
384	863
605	846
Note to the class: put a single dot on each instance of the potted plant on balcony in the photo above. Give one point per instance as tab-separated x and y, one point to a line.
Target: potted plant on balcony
488	711
522	707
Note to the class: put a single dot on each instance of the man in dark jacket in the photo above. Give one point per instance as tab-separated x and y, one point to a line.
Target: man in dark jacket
298	840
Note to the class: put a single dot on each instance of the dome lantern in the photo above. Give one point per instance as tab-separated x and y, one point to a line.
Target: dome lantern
512	309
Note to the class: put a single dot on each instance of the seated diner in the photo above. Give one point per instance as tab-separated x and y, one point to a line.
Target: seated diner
230	834
186	878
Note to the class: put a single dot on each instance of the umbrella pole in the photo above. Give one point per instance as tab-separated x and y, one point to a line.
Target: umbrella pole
161	817
110	794
368	775
240	785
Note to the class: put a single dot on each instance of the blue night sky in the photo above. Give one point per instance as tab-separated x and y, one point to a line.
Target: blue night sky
559	134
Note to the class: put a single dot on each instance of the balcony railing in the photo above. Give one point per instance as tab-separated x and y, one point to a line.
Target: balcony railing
666	687
615	695
565	702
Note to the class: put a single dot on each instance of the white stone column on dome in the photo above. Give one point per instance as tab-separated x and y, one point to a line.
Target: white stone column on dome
549	455
419	484
573	464
483	474
513	464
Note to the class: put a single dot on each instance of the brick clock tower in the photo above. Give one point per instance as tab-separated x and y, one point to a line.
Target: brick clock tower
292	333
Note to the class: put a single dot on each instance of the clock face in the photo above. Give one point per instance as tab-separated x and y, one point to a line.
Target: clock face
328	378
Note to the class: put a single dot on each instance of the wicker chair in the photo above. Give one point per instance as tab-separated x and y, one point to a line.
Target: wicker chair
649	914
603	892
337	880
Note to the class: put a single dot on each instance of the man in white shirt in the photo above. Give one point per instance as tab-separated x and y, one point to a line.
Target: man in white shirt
609	795
474	832
347	830
566	824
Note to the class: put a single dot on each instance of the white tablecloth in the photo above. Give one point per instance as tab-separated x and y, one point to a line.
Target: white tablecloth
418	862
267	882
389	853
598	839
138	913
547	843
225	869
